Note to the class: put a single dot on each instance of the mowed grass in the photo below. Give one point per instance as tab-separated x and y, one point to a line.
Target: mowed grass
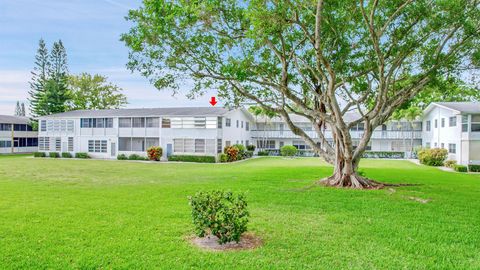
91	214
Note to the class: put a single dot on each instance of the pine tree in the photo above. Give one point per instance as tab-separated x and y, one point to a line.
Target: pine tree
38	81
22	110
18	110
56	88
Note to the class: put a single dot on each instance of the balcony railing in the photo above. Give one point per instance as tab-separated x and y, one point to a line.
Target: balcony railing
377	134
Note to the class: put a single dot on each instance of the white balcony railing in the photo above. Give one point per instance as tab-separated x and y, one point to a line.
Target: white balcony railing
377	134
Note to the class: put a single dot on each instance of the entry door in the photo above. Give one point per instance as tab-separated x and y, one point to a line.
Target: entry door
113	149
169	149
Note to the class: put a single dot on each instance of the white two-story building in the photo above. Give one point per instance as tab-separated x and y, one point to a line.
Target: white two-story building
454	126
16	135
107	133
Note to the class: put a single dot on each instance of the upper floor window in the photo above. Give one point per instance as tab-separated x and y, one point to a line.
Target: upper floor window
436	123
190	122
428	125
228	122
237	123
464	123
125	122
452	121
475	125
95	123
358	127
241	124
5	127
247	126
219	122
138	122
442	122
166	123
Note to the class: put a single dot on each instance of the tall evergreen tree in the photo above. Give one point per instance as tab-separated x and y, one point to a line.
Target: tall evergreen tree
22	110
18	110
56	94
38	81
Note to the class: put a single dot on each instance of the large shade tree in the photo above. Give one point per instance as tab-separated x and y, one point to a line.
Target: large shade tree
318	59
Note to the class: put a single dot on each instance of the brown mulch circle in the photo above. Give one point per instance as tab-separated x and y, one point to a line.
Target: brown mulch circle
248	241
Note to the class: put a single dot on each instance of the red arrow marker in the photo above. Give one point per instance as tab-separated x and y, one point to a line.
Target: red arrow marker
213	101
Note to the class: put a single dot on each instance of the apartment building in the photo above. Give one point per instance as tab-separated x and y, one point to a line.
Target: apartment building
107	133
454	126
16	135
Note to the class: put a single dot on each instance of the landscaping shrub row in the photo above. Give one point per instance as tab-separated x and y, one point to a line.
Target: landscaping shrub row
236	152
58	155
383	154
192	158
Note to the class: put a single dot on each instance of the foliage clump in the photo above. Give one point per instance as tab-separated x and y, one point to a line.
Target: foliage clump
223	158
39	154
154	153
82	155
232	153
54	155
122	157
288	151
474	168
433	157
192	158
460	168
251	147
450	163
66	155
219	213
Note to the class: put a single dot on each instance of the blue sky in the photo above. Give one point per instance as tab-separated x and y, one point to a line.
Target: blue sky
90	31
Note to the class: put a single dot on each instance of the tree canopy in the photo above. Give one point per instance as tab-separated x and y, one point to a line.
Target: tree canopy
318	59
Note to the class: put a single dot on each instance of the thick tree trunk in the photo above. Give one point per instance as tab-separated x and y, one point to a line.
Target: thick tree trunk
345	173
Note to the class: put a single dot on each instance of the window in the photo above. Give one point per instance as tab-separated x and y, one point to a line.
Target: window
58	144
109	122
165	122
219	122
70	125
219	146
282	144
149	142
247	126
6	127
43	125
152	122
138	144
269	144
428	125
452	121
427	145
357	127
85	123
138	122
301	145
452	148
70	144
247	143
176	122
442	145
178	145
475	126
211	122
97	146
43	143
98	123
436	145
19	127
125	122
228	122
199	145
189	145
237	123
125	144
442	122
464	123
241	124
436	123
5	144
200	122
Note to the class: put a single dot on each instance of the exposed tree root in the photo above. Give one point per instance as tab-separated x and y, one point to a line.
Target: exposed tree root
356	181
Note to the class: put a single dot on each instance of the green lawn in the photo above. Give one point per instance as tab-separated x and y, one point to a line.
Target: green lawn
93	214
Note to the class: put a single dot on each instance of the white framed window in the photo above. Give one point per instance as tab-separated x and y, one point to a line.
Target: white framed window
442	145
70	144
436	123
199	145
464	123
138	122
228	122
152	122
269	144
97	146
58	144
43	143
125	122
442	122
452	148
166	123
475	125
43	125
428	125
452	121
247	126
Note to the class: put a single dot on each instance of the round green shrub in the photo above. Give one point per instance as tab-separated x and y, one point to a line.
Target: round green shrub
66	155
251	147
122	157
288	151
262	153
223	158
219	213
39	154
433	157
54	155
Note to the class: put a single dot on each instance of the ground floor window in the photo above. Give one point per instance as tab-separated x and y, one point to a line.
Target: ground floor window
70	144
97	146
43	143
58	144
452	148
25	142
182	145
268	144
219	146
5	144
128	144
301	145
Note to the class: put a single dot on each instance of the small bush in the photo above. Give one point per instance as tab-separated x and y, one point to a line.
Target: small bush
460	168
39	154
383	154
66	155
474	168
241	151
54	155
82	155
288	151
219	213
223	158
251	147
262	153
450	163
248	154
433	157
232	153
189	158
154	153
135	157
122	157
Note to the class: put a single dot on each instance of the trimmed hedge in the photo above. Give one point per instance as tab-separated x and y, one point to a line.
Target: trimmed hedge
474	168
136	157
82	155
262	153
433	157
190	158
39	154
54	155
122	157
251	147
460	168
66	155
383	154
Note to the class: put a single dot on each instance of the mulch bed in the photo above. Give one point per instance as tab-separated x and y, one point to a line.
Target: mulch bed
248	241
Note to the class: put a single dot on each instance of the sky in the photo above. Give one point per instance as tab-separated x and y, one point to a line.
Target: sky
90	31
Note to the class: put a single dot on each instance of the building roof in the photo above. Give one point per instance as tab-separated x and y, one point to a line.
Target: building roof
349	117
9	119
179	111
464	107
